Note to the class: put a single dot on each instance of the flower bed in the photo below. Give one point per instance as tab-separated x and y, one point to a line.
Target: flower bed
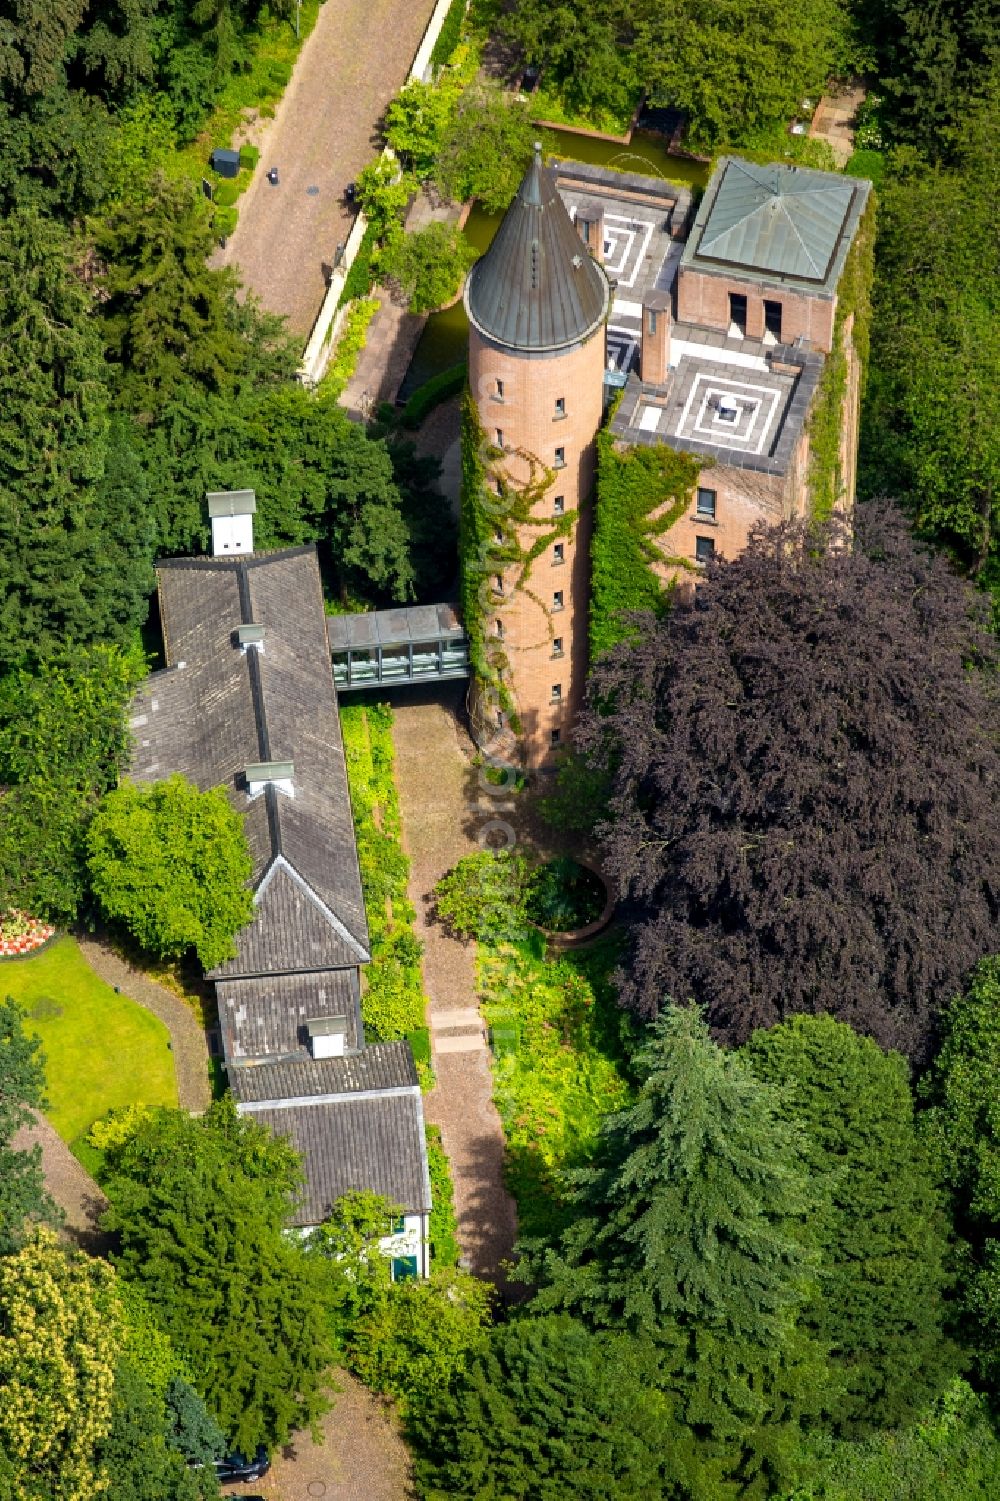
21	934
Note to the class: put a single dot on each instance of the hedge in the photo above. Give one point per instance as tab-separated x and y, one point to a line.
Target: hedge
450	34
360	276
393	1002
431	394
350	343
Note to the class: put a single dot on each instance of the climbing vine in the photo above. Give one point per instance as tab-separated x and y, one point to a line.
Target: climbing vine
641	493
497	512
826	421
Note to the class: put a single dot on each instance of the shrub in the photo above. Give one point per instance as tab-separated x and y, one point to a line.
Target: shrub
429	265
249	157
485	896
444	1224
449	35
432	393
564	895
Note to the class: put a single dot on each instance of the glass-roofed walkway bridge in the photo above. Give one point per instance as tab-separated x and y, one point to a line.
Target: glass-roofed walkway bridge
385	648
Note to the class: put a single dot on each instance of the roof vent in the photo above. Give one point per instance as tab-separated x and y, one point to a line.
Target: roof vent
250	635
327	1035
577	262
231	513
261	774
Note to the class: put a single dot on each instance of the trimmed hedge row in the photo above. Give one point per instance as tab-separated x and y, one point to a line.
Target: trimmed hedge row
450	35
431	394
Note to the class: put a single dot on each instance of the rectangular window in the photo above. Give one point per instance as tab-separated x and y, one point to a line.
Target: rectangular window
397	1224
499	629
560	406
556	696
499	437
772	319
557	646
737	314
559	505
651	320
498	583
499	719
498	393
404	1268
583	225
559	553
555	736
498	485
497	534
704	549
705	504
557	600
560	458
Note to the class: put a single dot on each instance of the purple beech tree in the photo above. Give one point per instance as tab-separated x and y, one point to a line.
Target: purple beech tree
806	772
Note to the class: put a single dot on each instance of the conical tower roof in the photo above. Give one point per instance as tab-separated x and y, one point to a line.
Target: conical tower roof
537	288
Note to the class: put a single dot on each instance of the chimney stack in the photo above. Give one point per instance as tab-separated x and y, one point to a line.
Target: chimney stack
654	363
231	513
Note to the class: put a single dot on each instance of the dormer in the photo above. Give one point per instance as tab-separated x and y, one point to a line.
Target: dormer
261	774
327	1036
250	638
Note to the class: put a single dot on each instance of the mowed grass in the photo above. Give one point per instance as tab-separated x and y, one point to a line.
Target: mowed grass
101	1049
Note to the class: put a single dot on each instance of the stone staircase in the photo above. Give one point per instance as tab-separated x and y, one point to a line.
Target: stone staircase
460	1029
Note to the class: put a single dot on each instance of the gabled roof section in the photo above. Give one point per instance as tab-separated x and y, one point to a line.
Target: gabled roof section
777	222
218	709
537	288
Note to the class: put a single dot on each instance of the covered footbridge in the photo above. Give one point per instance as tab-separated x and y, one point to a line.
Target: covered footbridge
389	648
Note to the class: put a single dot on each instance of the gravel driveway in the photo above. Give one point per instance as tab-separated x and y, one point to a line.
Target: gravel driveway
325	130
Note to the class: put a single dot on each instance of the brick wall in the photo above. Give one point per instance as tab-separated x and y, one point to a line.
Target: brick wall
524	411
704	299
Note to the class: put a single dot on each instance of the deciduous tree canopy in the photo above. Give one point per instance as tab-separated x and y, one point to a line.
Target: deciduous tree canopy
804	814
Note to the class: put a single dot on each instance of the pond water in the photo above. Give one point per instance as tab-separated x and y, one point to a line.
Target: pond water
443	341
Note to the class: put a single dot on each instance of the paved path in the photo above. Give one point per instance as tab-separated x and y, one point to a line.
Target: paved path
187	1036
438	792
360	1457
325	130
73	1189
833	121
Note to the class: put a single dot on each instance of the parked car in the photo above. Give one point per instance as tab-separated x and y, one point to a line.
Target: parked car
236	1466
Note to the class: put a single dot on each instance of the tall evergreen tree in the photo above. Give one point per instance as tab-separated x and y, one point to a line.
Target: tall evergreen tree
691	1231
548	1411
880	1227
74	541
23	1196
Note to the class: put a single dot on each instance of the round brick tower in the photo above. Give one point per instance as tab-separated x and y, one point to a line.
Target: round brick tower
537	303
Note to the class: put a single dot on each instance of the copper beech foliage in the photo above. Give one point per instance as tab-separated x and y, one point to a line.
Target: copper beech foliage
806	769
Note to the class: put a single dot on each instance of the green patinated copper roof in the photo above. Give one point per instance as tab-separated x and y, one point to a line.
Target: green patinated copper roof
775	221
537	288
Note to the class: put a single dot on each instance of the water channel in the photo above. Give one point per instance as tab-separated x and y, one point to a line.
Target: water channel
443	341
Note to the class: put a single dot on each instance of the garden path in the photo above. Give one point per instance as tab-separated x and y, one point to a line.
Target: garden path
70	1185
323	133
438	794
361	1455
187	1036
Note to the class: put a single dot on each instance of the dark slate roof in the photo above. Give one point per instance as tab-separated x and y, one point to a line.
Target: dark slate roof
780	223
384	1065
265	1016
537	288
362	1141
219	708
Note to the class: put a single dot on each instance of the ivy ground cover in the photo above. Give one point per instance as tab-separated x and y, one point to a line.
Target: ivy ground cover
563	1069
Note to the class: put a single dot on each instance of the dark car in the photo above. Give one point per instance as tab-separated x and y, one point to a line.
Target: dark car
236	1467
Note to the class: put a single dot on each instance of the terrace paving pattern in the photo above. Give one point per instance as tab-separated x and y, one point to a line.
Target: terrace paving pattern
324	131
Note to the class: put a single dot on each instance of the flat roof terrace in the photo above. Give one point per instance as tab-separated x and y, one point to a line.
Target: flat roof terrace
742	404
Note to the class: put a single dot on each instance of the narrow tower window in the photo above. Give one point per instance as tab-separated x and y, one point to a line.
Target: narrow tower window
559	553
557	600
705	505
772	320
499	437
498	393
557	693
499	630
560	458
559	505
557	646
498	583
737	315
555	736
704	549
560	406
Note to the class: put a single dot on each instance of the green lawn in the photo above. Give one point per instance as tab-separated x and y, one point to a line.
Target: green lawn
101	1049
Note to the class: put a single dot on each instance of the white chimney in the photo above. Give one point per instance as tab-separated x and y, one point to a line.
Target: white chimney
231	513
327	1036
